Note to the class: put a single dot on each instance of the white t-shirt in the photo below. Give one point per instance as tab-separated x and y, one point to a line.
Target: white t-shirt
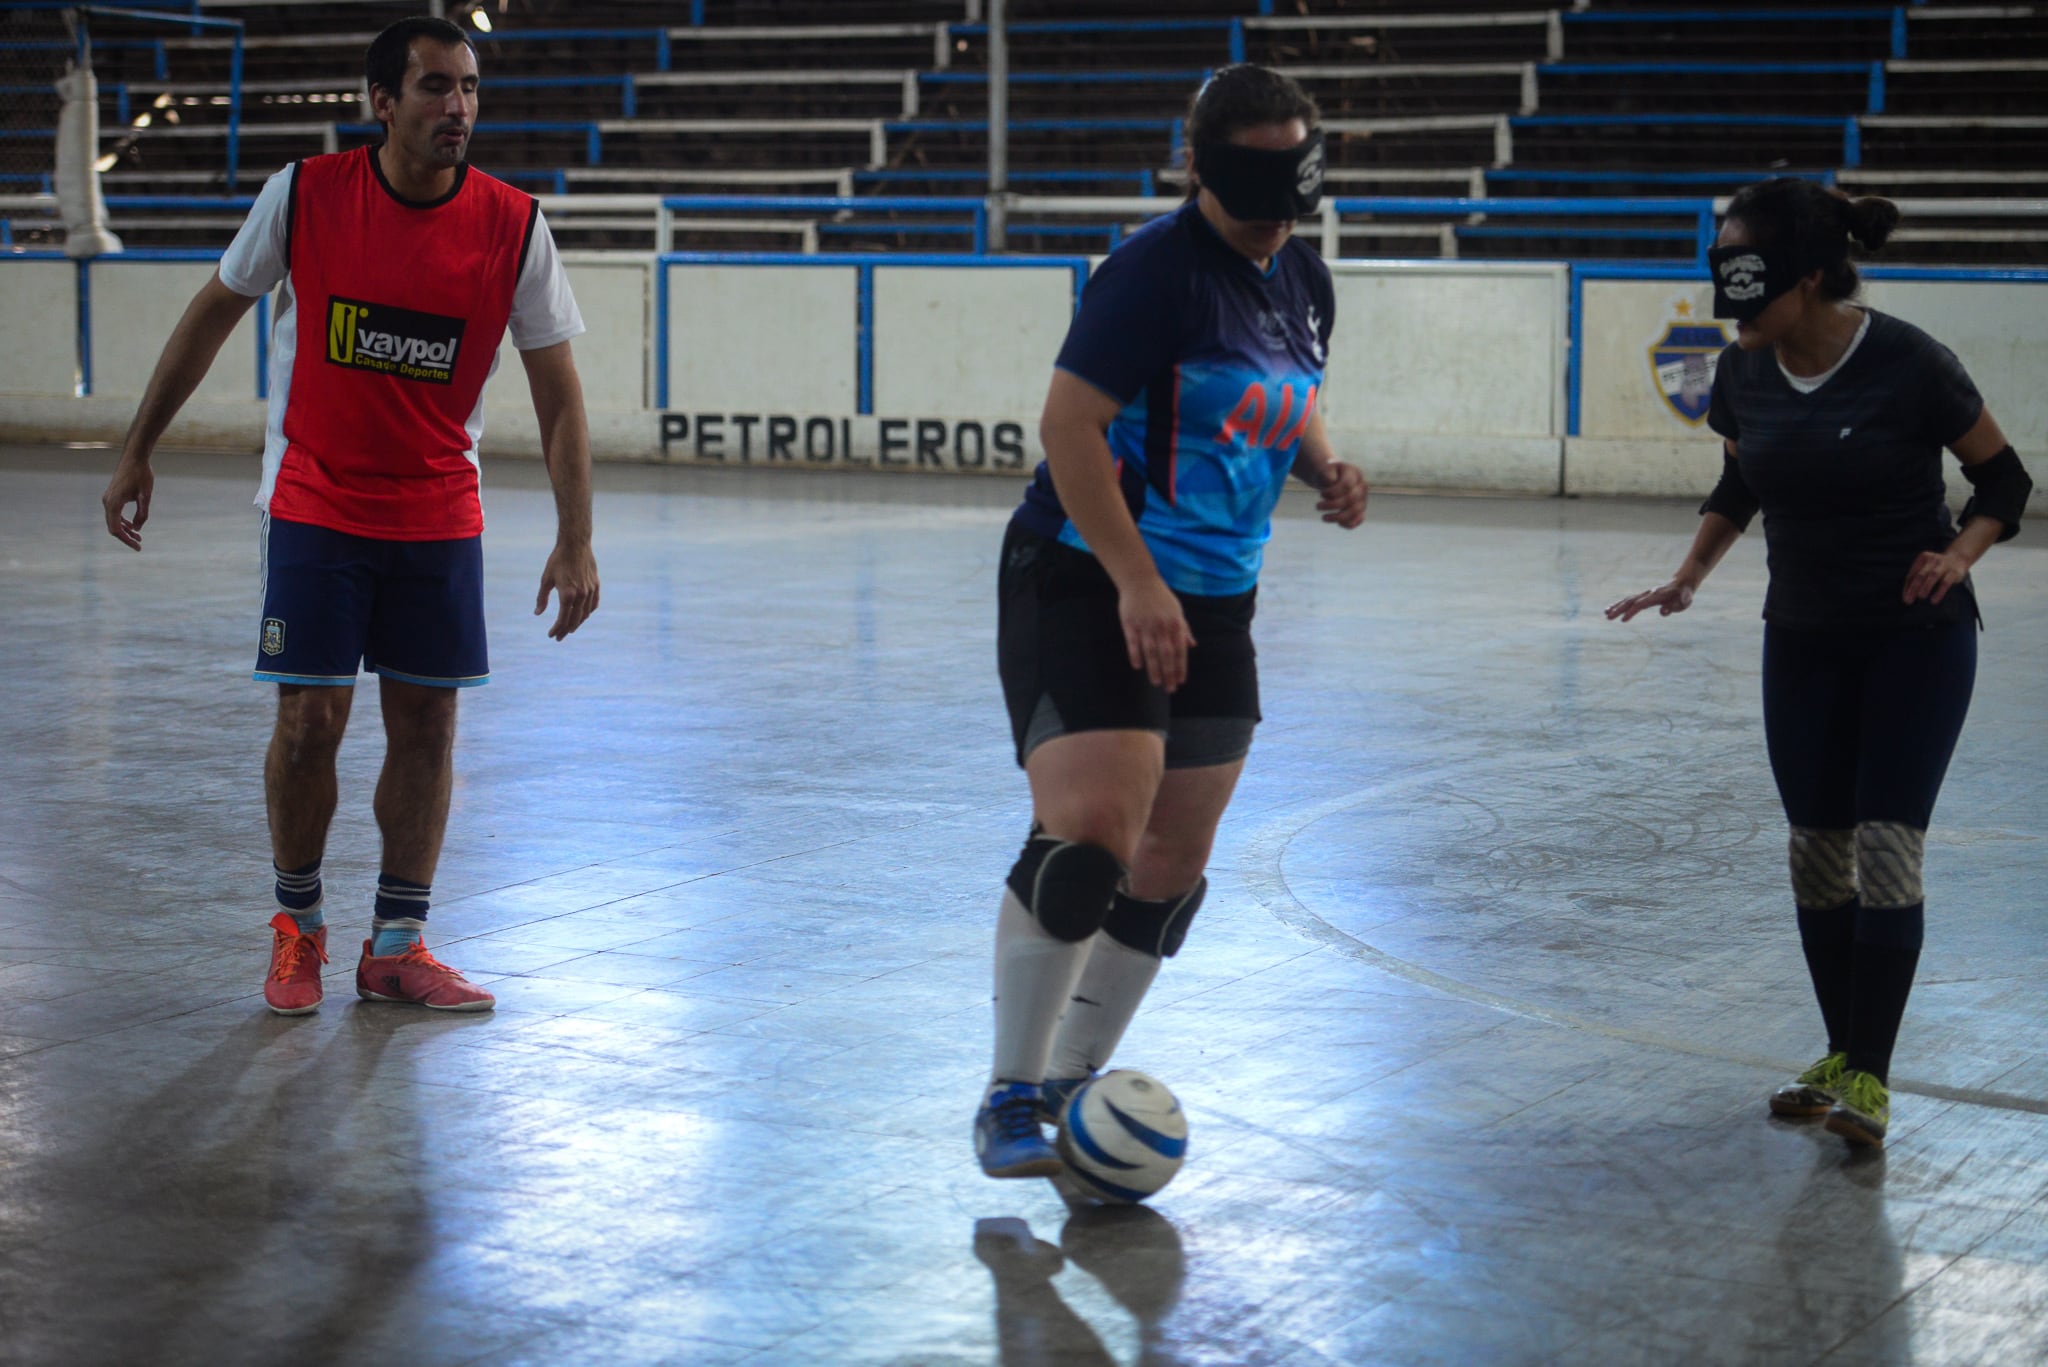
1806	384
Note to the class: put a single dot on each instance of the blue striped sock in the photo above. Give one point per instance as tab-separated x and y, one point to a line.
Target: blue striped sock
401	915
298	892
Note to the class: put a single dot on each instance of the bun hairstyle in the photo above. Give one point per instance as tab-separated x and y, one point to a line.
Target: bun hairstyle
1243	95
1818	224
1870	219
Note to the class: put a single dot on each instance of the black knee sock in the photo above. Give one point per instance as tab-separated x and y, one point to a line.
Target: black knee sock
1829	939
1886	954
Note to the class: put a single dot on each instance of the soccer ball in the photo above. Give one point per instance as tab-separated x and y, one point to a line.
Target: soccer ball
1122	1137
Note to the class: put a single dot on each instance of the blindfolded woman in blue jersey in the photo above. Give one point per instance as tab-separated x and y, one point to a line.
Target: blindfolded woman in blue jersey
1835	417
1183	398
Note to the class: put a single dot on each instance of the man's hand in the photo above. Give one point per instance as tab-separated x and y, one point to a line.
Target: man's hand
571	572
133	482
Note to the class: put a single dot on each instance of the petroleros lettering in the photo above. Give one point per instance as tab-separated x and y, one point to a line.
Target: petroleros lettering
818	439
392	341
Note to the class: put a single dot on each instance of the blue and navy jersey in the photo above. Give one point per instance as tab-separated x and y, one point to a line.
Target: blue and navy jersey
1217	365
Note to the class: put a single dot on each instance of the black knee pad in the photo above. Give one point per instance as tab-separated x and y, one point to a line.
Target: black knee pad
1066	885
1155	927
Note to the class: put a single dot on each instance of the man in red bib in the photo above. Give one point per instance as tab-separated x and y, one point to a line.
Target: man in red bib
399	269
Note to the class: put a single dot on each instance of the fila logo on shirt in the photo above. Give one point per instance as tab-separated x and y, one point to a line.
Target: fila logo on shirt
1258	423
392	340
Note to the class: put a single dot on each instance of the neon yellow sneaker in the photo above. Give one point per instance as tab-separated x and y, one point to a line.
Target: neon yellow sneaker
1813	1092
1863	1112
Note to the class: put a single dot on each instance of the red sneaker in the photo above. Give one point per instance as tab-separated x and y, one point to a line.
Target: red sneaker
417	976
293	987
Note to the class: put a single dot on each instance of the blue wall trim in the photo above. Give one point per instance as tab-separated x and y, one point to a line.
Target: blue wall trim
864	340
84	328
661	333
864	264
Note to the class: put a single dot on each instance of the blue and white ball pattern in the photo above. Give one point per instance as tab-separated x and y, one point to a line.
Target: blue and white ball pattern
1122	1137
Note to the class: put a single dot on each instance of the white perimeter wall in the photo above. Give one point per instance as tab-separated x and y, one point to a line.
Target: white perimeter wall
613	359
38	328
954	342
135	304
1448	375
1633	442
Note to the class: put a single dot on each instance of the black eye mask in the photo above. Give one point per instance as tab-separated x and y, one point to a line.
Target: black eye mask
1260	185
1747	279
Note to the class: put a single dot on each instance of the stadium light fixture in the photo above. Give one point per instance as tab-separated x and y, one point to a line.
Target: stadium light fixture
479	20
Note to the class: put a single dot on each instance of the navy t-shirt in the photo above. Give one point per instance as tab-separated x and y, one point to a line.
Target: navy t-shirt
1217	365
1849	477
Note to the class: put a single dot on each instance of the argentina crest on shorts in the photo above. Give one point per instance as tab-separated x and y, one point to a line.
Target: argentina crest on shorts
273	636
1682	361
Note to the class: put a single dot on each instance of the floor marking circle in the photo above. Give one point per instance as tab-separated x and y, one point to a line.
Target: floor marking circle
1265	875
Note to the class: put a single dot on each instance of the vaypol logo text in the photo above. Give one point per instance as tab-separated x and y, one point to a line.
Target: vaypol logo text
392	340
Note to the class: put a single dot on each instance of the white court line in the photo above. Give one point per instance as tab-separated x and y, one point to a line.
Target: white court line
1266	851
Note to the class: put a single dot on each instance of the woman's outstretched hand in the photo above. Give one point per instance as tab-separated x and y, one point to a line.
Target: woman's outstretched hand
1666	598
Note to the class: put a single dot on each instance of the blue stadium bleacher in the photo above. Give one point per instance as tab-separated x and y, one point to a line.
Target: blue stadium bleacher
1626	101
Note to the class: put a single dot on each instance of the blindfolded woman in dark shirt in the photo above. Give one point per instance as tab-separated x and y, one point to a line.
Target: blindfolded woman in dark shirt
1834	418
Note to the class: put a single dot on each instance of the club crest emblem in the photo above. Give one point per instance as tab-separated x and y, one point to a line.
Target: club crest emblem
1742	277
1682	361
1272	330
273	636
1308	180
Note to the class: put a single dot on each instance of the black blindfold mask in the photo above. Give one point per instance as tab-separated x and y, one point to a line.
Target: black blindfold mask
1260	185
1747	279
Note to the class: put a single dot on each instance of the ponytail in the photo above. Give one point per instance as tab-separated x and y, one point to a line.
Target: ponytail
1869	220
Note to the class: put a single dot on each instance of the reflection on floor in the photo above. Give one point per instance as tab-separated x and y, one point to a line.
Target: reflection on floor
1475	1030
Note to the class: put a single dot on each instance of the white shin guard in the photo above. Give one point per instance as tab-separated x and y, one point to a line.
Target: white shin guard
1102	1006
1035	975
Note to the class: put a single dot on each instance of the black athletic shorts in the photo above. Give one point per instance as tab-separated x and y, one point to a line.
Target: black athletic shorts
1065	668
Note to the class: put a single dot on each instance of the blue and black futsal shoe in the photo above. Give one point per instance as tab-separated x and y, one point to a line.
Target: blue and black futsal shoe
1057	1092
1006	1134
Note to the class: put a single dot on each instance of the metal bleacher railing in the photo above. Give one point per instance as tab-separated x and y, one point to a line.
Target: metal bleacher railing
145	13
1684	226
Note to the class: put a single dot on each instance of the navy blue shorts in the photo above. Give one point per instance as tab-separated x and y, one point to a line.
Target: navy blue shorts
408	610
1861	725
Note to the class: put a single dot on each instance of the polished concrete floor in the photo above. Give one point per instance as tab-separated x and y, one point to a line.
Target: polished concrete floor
1474	1032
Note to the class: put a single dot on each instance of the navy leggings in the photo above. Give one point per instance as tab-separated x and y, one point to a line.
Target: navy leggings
1861	725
